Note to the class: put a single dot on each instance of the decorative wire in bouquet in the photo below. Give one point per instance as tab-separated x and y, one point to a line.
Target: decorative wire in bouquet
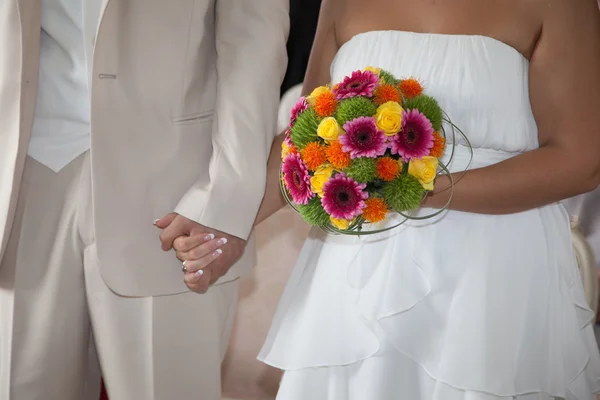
367	147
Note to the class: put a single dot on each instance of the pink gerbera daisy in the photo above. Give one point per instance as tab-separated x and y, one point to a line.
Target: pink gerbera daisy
416	137
297	178
363	138
288	137
360	83
343	198
299	107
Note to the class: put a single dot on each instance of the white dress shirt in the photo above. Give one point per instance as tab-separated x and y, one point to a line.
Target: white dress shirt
61	127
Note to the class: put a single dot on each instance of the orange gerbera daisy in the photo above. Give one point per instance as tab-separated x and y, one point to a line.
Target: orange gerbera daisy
385	93
439	145
387	168
376	210
314	155
337	157
325	104
410	88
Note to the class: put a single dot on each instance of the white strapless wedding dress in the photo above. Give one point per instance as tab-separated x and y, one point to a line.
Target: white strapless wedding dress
461	307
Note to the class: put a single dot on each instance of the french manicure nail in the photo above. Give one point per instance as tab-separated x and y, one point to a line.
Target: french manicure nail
199	273
218	252
222	241
155	221
209	237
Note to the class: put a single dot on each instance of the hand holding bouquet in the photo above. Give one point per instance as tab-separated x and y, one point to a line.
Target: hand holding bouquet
366	147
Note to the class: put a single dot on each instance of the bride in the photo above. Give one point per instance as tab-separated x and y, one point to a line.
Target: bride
485	301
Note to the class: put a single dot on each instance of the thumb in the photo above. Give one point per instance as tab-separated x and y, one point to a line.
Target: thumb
165	221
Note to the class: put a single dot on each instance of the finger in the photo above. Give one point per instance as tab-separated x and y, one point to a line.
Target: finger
203	250
187	243
169	234
198	283
165	221
203	262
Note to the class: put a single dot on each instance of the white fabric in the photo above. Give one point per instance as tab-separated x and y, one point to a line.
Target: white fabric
461	307
61	127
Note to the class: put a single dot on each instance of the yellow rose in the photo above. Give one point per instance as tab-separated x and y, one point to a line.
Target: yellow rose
321	176
424	170
341	224
374	70
316	93
389	118
329	129
285	150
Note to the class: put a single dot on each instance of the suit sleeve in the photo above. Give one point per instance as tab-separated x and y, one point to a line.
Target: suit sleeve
251	40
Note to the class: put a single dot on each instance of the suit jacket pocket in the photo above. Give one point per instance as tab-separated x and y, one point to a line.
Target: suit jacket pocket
192	119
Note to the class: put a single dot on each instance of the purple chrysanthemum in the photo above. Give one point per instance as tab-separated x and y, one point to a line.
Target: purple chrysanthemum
343	197
297	179
299	107
360	83
416	137
363	138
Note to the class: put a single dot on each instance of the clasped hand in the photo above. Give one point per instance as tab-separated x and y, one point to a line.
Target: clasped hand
206	254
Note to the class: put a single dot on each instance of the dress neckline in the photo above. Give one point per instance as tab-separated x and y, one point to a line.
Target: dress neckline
452	36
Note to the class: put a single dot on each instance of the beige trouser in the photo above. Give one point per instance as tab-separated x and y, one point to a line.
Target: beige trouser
55	310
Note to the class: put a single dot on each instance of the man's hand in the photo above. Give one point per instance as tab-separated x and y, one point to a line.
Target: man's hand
207	254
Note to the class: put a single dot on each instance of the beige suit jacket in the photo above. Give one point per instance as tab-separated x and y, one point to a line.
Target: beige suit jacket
184	106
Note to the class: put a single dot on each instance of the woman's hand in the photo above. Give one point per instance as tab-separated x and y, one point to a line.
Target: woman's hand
206	258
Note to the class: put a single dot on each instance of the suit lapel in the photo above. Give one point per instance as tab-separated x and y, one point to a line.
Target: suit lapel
102	9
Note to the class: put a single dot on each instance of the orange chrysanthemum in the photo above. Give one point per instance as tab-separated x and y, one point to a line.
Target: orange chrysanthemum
375	211
385	93
387	168
337	157
325	105
314	155
411	88
439	145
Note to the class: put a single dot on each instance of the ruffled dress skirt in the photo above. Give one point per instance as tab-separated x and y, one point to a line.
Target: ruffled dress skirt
469	307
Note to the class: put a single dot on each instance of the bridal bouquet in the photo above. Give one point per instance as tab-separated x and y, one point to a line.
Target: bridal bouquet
366	147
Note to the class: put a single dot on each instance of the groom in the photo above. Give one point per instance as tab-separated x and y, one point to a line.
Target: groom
114	113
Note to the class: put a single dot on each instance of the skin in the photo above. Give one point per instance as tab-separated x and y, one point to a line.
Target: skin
560	38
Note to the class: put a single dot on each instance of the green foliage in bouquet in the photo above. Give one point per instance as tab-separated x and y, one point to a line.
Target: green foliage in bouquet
403	193
388	78
353	108
363	169
429	107
314	213
304	129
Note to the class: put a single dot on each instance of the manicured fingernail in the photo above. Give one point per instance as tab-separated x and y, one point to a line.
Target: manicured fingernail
222	241
218	252
209	237
199	273
155	221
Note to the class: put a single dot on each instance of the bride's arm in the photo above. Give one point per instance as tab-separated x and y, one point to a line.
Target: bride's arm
564	76
317	74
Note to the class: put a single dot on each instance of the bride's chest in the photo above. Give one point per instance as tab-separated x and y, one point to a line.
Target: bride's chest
514	23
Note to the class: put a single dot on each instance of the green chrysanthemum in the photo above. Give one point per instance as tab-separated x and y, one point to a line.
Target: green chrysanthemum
314	213
429	107
363	169
388	78
304	130
403	193
353	108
